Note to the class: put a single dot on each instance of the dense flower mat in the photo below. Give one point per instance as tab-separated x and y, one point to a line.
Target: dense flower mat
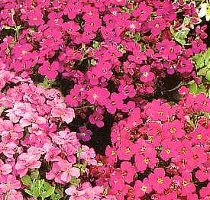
104	100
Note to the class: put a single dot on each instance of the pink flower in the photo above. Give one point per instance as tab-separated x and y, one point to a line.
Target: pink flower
115	103
66	114
159	181
148	159
53	154
11	184
141	188
128	171
147	75
27	161
8	149
142	12
157	25
49	70
5	169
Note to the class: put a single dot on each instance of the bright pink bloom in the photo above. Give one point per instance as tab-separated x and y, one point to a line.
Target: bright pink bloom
128	171
49	70
159	181
141	188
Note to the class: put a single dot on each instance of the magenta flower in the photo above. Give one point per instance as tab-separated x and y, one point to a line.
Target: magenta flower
157	25
98	94
138	57
148	159
84	134
111	154
173	129
141	188
35	17
168	150
128	171
97	118
142	12
115	102
146	74
203	174
126	150
159	181
49	70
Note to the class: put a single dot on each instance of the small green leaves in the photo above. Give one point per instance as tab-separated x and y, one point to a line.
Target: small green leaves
181	36
208	75
47	190
194	88
47	83
96	44
37	188
202	65
26	180
74	181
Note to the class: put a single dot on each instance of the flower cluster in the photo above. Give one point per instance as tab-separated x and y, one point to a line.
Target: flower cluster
76	74
161	152
35	137
113	51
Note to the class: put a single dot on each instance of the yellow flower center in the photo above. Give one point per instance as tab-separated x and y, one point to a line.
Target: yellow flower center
199	136
144	188
160	180
172	130
168	151
146	160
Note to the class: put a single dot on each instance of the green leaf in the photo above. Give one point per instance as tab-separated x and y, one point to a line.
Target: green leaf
96	44
7	27
29	192
199	61
202	72
26	180
208	76
193	87
49	190
201	88
207	56
35	174
75	181
47	83
181	36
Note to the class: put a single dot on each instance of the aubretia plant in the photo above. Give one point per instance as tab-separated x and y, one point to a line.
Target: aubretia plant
161	152
35	138
104	99
112	52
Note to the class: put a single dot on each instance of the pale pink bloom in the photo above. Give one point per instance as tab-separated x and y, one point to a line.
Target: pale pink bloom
8	149
27	161
11	184
66	114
